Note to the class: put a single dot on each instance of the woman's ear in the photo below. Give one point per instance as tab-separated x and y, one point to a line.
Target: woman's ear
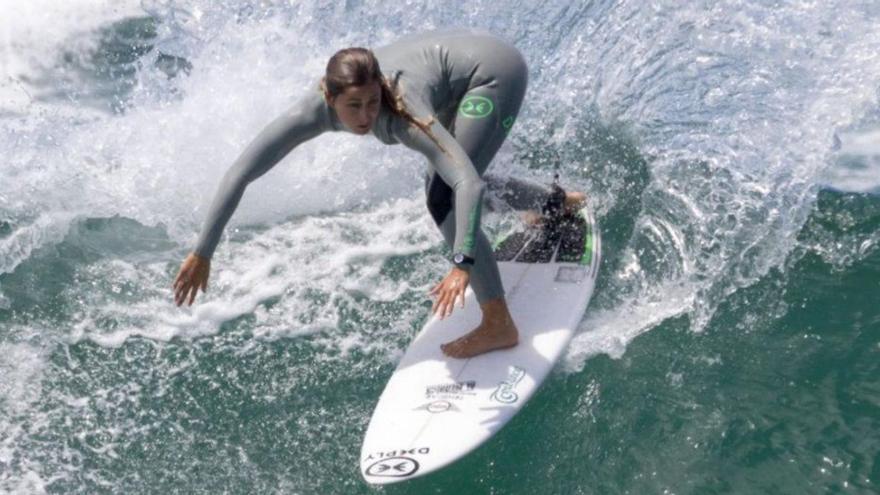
326	94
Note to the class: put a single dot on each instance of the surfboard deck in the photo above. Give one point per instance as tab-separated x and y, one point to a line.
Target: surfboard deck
436	409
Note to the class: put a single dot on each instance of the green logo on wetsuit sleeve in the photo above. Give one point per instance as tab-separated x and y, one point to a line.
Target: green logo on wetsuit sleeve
508	123
476	107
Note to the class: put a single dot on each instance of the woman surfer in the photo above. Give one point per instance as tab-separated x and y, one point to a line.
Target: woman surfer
452	96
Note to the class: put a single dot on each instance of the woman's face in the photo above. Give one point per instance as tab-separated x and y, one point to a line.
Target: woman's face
358	106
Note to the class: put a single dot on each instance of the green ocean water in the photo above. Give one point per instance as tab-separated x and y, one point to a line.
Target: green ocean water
777	395
731	346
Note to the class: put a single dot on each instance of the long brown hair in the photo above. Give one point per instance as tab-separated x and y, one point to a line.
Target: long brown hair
358	66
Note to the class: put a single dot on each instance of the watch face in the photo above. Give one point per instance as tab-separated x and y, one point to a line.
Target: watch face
458	258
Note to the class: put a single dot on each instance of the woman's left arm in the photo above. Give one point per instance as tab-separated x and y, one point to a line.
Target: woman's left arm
453	165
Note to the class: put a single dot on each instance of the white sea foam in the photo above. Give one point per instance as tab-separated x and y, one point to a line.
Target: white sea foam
739	123
291	277
610	331
21	372
32	32
857	166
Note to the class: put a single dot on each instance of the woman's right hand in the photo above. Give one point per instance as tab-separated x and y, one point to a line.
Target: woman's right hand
193	275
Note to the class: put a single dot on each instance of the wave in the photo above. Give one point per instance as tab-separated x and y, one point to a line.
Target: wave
700	133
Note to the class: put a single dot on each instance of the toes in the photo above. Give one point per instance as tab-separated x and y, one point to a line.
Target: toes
455	349
449	350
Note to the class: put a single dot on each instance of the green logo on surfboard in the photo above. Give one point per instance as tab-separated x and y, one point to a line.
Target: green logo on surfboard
506	391
476	107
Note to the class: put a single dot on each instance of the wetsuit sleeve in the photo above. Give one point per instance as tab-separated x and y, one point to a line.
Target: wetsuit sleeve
305	120
453	165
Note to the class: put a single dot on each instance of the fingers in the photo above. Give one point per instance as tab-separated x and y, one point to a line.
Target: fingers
180	285
447	293
445	302
438	308
450	304
178	295
441	305
192	276
186	286
186	290
435	291
194	289
181	292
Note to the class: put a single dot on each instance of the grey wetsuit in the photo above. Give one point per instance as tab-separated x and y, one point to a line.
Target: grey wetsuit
472	84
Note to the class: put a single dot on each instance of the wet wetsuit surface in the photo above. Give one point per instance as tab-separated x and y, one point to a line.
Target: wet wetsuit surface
472	85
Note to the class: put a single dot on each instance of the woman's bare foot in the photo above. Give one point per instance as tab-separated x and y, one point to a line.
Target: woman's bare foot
532	218
496	331
573	202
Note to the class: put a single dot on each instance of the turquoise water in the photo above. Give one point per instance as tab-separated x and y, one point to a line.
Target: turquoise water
728	150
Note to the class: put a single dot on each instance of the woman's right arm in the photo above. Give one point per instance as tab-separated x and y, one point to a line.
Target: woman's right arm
305	120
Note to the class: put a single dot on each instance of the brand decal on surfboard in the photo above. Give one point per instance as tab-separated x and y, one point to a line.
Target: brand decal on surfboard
394	463
393	467
438	406
398	453
506	391
450	391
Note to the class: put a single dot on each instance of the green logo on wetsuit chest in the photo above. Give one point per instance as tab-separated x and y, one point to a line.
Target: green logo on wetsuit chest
476	107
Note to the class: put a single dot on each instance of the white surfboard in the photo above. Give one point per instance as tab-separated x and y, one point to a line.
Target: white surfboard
436	409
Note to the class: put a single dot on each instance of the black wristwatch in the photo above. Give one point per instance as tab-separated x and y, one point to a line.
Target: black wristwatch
462	261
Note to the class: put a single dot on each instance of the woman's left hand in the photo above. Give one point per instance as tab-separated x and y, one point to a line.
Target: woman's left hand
449	290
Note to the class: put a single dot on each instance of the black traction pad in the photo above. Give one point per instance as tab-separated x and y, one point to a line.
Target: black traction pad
564	237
